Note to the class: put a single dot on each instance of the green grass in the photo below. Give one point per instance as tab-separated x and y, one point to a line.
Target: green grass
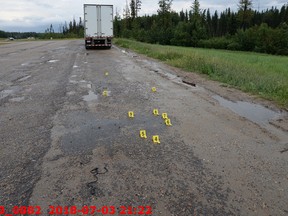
259	74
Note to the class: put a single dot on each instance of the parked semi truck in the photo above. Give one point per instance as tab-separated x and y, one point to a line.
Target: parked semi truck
98	25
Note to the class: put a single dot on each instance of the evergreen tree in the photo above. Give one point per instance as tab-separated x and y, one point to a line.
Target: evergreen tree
215	24
245	13
165	24
70	27
195	9
80	22
51	29
283	13
3	34
232	23
133	9
164	6
182	16
208	23
126	11
74	27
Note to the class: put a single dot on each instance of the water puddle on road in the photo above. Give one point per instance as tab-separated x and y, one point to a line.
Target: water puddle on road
17	99
53	61
5	93
73	81
24	78
253	112
90	97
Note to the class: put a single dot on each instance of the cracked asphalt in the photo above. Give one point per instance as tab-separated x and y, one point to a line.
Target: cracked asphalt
65	143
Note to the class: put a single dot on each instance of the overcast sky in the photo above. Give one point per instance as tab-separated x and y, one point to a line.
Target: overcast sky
37	15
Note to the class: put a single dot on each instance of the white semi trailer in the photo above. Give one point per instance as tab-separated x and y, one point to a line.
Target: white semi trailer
98	25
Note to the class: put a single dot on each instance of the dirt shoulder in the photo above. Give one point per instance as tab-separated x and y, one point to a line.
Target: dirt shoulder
224	90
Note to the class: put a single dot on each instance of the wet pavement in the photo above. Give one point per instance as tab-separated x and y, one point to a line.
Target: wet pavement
253	112
67	139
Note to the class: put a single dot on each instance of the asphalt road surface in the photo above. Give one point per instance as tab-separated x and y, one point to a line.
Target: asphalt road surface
67	140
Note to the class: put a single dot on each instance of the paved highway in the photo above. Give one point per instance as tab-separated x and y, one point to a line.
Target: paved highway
66	138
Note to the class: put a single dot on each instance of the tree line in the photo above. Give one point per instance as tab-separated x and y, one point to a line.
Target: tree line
245	29
19	35
73	29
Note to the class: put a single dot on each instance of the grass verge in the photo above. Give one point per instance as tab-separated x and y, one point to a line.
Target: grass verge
259	74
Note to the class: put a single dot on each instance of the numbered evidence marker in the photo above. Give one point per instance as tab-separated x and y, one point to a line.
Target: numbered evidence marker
105	93
143	134
156	139
154	89
156	112
106	73
131	114
168	122
164	115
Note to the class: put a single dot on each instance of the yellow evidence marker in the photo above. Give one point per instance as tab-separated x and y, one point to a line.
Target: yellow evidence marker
105	93
131	114
154	89
156	139
106	73
164	115
156	112
143	134
168	122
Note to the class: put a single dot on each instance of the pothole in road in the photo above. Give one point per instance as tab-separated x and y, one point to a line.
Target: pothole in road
91	132
73	81
189	83
90	97
91	136
253	112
